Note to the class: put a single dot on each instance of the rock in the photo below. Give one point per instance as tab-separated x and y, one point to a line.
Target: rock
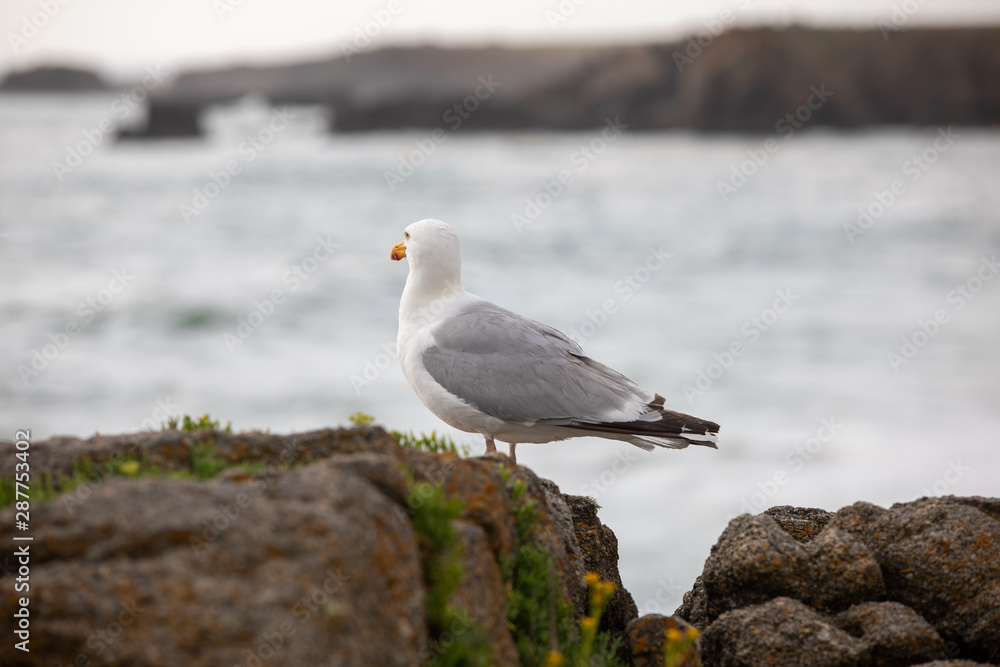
480	485
310	556
886	634
385	471
599	547
647	639
53	79
941	557
953	663
305	568
168	120
311	560
693	609
755	561
781	631
990	506
802	523
171	450
894	635
477	481
555	532
481	593
914	583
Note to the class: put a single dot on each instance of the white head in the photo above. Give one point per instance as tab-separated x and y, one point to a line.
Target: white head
435	257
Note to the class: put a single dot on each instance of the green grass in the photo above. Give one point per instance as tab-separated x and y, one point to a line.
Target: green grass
434	443
430	443
204	464
38	490
83	471
455	640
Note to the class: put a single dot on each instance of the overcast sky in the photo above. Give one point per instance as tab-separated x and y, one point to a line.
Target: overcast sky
125	36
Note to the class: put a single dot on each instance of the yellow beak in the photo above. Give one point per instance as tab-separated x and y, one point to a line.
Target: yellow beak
398	252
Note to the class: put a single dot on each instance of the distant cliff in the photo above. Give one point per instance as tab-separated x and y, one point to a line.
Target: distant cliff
53	79
761	80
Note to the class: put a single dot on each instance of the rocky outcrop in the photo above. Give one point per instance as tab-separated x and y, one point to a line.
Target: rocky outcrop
893	634
599	547
171	450
755	560
780	632
867	586
302	565
208	548
786	631
302	554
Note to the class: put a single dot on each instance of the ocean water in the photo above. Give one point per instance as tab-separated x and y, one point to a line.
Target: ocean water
767	306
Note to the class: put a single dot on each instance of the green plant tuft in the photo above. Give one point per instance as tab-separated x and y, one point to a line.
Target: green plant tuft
84	471
38	490
204	463
430	443
459	641
188	424
361	419
129	464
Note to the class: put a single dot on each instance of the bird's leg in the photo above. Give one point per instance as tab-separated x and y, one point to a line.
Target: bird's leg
513	458
491	447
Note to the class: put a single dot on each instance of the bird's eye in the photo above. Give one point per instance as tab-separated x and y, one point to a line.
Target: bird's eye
406	235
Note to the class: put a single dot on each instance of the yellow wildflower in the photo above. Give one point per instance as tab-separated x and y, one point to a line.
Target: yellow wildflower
554	659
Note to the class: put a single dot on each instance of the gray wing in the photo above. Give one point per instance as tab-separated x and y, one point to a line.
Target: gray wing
519	370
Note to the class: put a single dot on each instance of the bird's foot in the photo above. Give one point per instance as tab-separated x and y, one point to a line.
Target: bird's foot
491	449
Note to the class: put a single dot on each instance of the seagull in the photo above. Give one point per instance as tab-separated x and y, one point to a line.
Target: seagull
484	369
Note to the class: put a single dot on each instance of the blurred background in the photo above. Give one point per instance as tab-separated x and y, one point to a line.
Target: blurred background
783	216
